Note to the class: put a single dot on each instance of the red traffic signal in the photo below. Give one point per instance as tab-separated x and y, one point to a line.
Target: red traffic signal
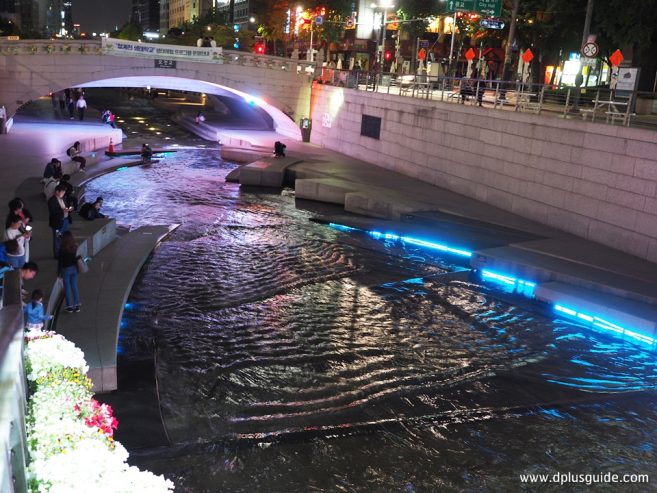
259	48
388	56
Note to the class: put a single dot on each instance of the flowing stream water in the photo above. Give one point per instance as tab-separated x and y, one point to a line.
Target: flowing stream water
292	357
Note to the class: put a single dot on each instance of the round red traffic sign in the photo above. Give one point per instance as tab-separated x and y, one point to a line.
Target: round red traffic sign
590	50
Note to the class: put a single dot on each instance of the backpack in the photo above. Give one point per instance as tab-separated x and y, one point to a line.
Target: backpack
70	151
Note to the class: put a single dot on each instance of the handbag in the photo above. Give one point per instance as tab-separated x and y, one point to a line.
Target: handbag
81	265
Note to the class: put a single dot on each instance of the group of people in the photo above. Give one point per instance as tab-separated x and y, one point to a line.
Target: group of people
108	117
61	205
14	255
69	100
206	42
17	234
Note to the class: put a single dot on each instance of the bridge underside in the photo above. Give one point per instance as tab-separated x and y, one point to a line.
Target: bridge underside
281	122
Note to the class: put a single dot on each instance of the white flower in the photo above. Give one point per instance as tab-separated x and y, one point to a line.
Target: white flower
66	454
47	354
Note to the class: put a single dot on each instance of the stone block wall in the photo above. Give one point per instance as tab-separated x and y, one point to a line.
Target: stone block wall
594	180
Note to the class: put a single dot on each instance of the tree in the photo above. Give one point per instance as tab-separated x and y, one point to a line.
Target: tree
131	31
272	15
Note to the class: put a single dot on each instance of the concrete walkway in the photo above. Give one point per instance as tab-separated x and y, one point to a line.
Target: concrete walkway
113	269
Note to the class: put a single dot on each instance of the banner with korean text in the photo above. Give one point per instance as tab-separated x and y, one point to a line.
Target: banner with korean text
133	48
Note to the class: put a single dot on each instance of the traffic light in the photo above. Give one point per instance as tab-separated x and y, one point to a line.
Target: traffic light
388	56
259	48
236	43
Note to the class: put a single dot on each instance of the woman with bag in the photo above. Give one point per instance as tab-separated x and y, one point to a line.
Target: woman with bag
68	271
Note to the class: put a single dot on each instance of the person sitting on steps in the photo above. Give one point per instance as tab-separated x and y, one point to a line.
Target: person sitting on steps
75	154
279	149
146	152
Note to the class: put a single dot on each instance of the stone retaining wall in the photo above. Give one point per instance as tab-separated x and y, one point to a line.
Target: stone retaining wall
594	180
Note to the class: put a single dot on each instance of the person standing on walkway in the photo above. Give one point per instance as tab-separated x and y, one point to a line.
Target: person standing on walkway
7	248
74	151
69	195
53	170
67	270
17	207
81	105
58	219
35	315
70	103
14	231
62	102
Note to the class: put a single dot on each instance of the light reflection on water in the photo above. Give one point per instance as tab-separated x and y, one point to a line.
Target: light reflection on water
293	357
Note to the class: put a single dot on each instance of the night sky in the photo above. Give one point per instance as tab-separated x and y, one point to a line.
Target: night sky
101	15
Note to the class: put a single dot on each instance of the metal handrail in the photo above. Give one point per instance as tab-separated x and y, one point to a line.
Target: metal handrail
516	95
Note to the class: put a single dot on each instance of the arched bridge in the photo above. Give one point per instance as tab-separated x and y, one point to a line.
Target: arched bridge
34	68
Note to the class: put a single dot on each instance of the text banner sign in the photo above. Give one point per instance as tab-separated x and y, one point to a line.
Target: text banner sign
132	48
165	63
487	8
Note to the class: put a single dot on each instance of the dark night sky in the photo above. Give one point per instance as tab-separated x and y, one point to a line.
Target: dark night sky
101	15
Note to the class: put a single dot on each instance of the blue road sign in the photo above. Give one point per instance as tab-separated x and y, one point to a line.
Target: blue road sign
492	23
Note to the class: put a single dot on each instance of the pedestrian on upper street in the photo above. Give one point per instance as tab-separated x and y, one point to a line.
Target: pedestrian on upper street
81	105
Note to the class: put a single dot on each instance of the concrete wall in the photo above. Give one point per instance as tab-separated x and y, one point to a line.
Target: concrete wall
594	180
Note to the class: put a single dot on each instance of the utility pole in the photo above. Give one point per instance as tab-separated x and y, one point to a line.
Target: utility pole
506	71
579	78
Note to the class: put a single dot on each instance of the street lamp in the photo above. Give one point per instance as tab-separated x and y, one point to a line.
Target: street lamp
385	5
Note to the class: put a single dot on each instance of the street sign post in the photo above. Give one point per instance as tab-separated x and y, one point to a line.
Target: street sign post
488	8
590	50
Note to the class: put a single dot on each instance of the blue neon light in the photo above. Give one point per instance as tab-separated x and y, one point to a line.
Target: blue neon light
520	286
342	227
603	324
406	239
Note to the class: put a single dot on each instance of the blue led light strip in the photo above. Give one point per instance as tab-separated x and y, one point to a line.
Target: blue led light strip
406	239
603	324
521	286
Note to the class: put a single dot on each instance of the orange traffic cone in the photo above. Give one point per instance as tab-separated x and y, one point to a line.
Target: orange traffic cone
110	149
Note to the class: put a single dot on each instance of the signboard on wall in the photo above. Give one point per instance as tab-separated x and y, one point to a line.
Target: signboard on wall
627	79
327	120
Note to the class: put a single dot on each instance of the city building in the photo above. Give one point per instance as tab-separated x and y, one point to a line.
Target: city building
146	13
164	16
8	10
48	17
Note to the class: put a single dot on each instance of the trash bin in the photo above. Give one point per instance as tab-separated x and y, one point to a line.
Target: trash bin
305	125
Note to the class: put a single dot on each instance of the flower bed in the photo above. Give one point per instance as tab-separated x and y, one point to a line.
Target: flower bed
71	435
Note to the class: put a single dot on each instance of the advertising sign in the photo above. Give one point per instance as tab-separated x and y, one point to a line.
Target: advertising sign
133	48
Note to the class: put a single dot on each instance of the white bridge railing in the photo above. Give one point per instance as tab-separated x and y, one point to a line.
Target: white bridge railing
155	51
